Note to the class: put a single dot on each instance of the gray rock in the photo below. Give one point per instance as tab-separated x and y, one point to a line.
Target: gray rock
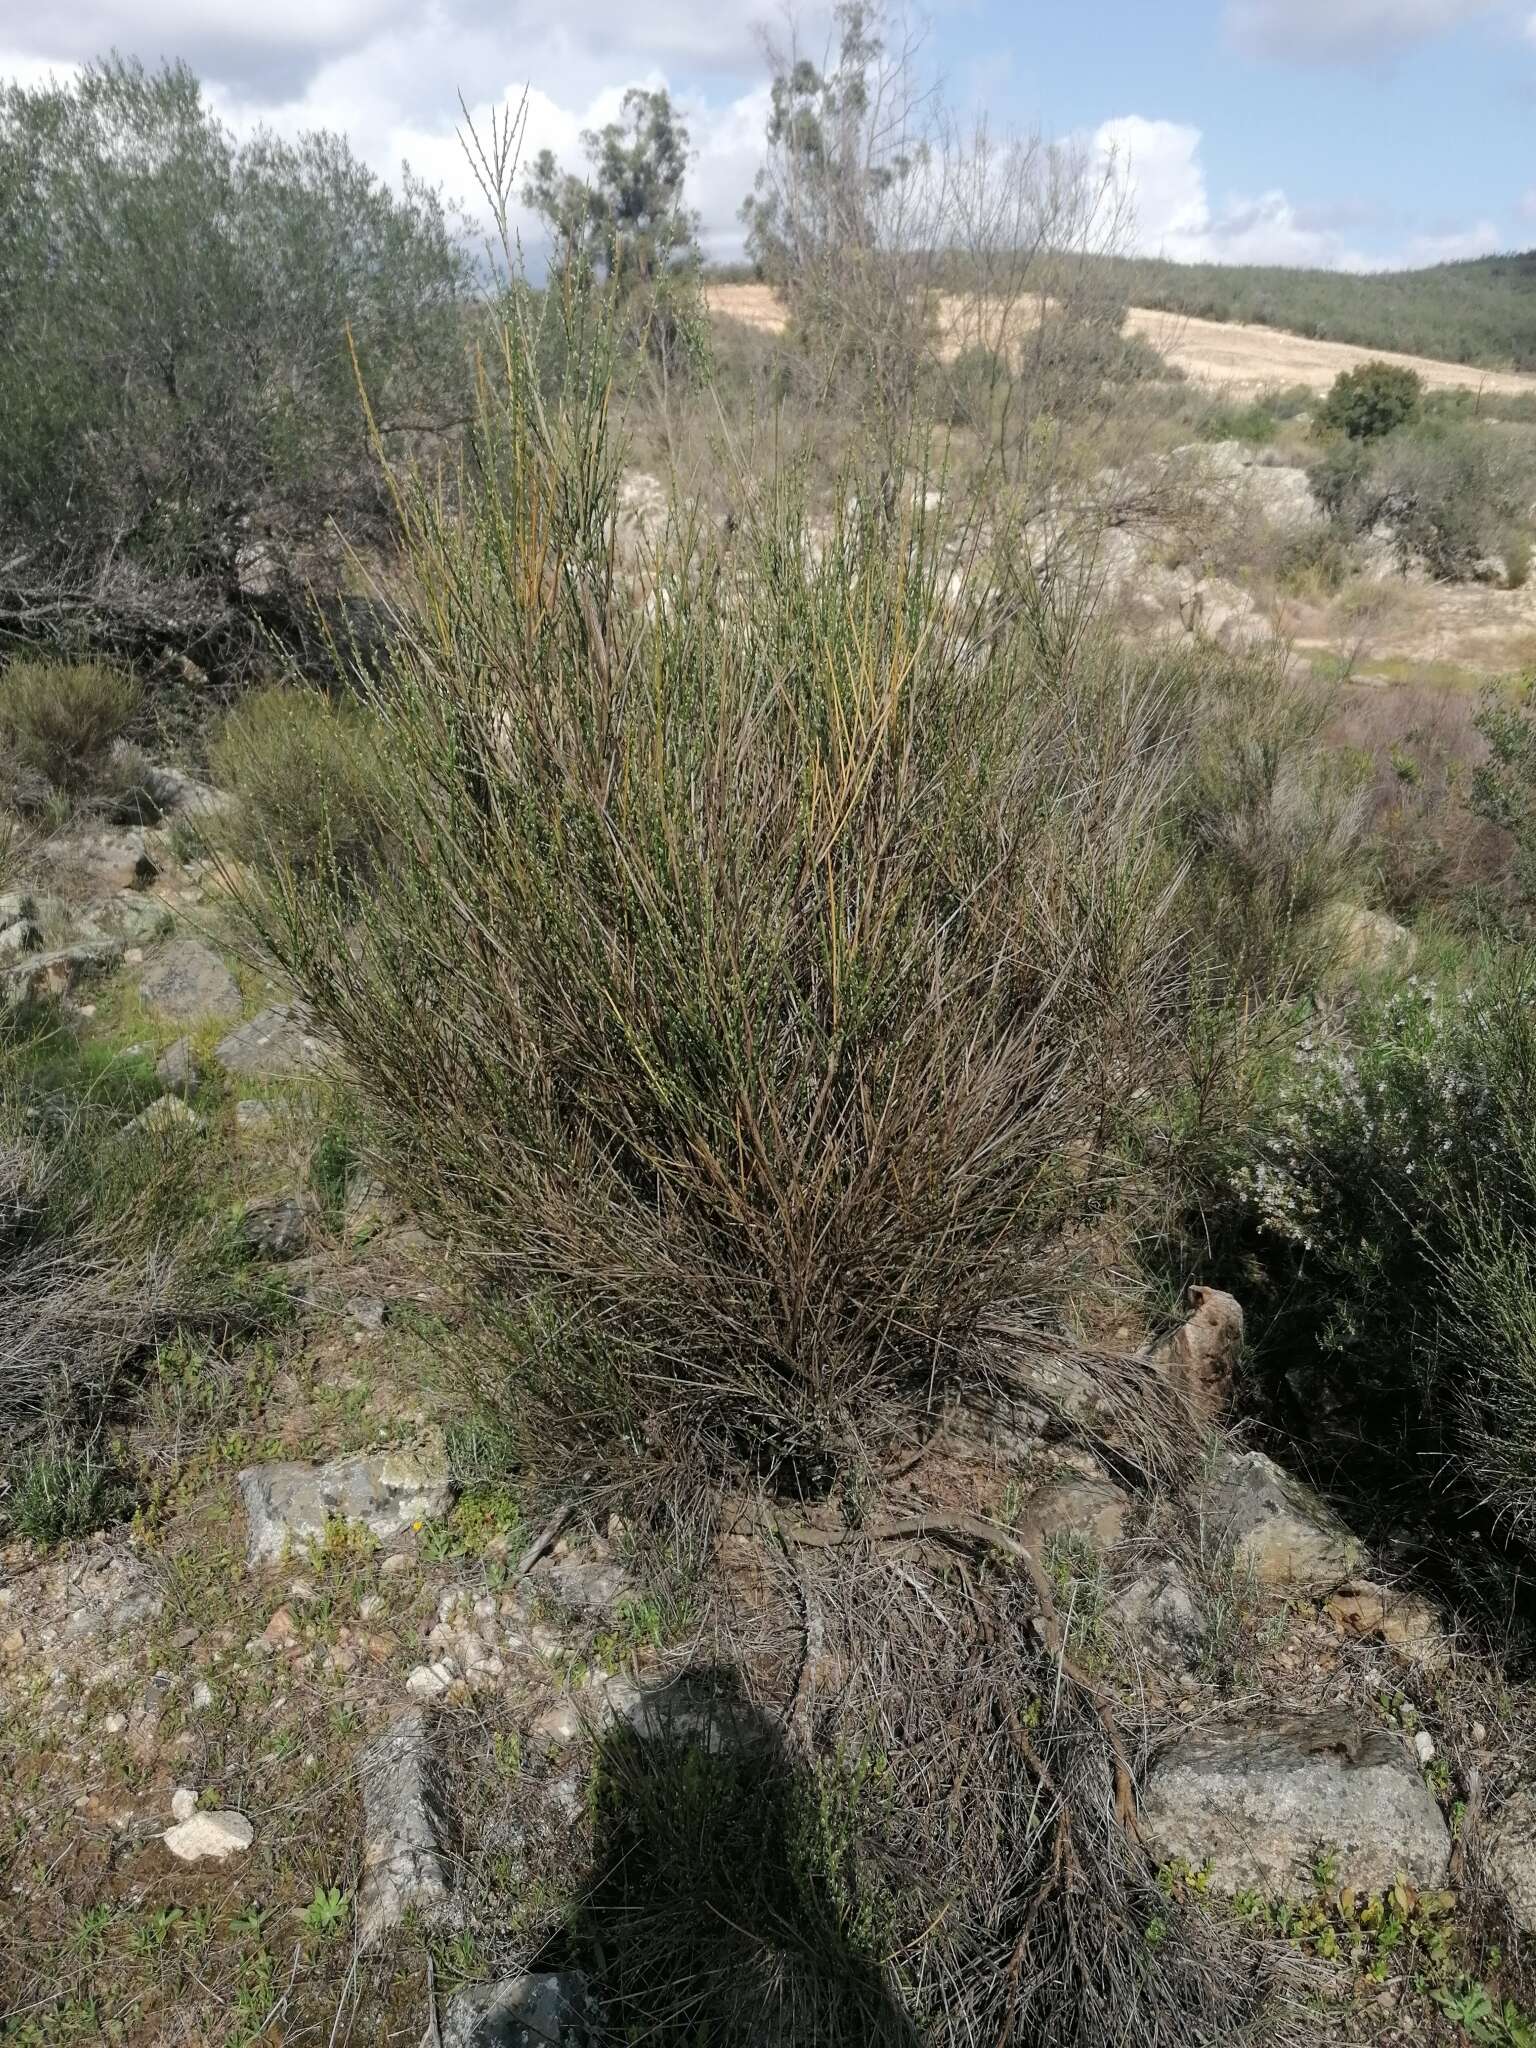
1089	1508
166	1113
1260	1802
1511	1845
536	2011
590	1588
177	1069
1277	1527
131	917
252	1115
275	1228
108	1594
289	1505
21	937
366	1312
187	981
1159	1608
276	1044
210	1837
102	861
404	1868
15	904
42	977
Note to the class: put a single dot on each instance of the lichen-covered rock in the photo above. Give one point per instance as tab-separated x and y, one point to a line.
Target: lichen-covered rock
276	1044
1259	1802
554	2010
187	981
404	1869
1277	1527
275	1227
1159	1609
1511	1846
1201	1356
1089	1508
178	1069
45	977
288	1505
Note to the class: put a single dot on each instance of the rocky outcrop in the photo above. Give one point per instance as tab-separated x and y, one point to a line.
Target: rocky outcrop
404	1869
555	2010
1088	1508
277	1044
1511	1848
1277	1527
289	1505
187	982
1258	1803
1200	1358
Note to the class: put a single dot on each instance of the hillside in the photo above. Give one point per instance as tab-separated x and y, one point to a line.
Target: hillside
1481	312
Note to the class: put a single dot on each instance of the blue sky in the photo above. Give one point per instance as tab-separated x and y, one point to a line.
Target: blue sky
1351	132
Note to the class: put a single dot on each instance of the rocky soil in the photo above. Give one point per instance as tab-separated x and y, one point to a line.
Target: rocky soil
294	1752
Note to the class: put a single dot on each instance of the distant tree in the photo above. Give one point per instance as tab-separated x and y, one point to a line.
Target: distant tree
626	220
1371	400
178	315
838	218
625	226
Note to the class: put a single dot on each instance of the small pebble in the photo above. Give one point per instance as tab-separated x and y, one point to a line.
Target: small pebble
1424	1746
202	1696
114	1724
183	1802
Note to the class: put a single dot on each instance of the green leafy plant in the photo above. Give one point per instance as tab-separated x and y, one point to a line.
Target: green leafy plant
327	1912
1370	401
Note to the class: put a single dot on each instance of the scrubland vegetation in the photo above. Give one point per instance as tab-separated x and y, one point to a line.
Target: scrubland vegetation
821	984
1480	311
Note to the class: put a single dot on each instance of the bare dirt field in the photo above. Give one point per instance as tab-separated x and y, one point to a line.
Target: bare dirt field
1240	359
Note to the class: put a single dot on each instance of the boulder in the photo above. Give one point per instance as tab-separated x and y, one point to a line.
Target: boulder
102	862
274	1228
1277	1527
589	1587
1260	1802
553	2010
1511	1845
41	977
21	937
165	1114
1159	1609
178	1070
276	1044
210	1837
1369	941
1089	1508
404	1869
1200	1357
130	916
289	1505
188	981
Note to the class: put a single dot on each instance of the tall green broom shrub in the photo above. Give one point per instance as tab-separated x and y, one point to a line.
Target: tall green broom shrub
769	952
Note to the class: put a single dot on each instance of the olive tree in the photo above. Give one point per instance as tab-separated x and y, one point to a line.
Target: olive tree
183	321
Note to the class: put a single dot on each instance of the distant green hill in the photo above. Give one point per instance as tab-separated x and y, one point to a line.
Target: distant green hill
1481	312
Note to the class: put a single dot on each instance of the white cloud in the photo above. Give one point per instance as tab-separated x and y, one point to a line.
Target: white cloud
1324	31
1155	168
